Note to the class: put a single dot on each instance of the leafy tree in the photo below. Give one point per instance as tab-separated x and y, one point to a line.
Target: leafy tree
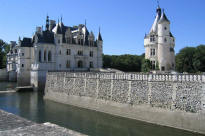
4	49
199	58
128	63
185	59
146	65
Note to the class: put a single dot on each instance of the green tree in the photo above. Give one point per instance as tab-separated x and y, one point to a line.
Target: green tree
4	49
146	65
128	63
185	59
199	59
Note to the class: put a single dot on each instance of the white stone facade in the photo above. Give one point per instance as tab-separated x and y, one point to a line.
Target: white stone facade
57	48
159	43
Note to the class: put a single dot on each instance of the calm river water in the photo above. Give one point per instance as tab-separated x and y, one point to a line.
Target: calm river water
31	106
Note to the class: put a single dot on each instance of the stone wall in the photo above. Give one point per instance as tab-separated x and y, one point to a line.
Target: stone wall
3	75
181	97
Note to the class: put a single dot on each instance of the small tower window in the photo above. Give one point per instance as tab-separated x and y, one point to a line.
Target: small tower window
165	39
152	52
22	54
165	28
22	65
91	53
152	38
60	52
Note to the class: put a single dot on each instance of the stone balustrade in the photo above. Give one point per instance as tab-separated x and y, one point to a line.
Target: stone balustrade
133	76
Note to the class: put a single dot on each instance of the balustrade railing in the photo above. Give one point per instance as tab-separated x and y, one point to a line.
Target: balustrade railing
132	76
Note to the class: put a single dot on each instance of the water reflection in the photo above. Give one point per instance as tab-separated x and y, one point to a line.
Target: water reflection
31	105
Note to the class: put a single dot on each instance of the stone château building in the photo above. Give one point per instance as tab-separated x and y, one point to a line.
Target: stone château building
159	43
57	48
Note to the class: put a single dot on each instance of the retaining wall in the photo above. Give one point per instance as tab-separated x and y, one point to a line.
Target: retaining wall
171	100
3	75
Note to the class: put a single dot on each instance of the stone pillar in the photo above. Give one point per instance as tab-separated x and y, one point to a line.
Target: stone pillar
149	91
111	89
129	91
174	95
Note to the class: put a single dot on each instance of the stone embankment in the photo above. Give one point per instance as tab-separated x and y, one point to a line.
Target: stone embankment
3	75
171	100
11	125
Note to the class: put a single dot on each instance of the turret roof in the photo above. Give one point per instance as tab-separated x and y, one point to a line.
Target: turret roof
163	18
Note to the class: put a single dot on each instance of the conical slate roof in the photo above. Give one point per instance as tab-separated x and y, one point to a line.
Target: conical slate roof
154	27
99	37
164	18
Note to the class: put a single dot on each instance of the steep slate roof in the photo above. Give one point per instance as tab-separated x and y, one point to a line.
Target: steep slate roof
26	42
99	37
154	27
163	18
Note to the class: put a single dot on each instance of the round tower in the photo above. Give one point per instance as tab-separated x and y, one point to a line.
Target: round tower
164	44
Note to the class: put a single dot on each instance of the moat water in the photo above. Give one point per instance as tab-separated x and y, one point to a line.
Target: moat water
32	106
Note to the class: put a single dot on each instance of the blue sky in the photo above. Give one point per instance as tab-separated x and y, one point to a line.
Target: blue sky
123	22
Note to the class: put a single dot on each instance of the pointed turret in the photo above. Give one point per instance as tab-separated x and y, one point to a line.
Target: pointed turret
99	36
164	18
154	27
47	23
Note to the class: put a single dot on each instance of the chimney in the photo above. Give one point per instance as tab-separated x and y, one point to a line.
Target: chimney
38	29
52	24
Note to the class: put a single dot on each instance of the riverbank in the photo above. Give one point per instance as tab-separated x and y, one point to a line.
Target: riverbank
13	125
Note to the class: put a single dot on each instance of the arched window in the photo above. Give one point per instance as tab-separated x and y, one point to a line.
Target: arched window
45	55
39	56
80	64
49	56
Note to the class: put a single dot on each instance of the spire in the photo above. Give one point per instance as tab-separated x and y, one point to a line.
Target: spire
47	23
61	18
163	18
99	36
85	23
157	18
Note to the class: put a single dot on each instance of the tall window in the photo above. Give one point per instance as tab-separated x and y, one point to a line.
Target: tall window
152	38
91	53
152	52
91	64
68	52
153	65
49	56
39	56
68	64
80	64
80	53
45	55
